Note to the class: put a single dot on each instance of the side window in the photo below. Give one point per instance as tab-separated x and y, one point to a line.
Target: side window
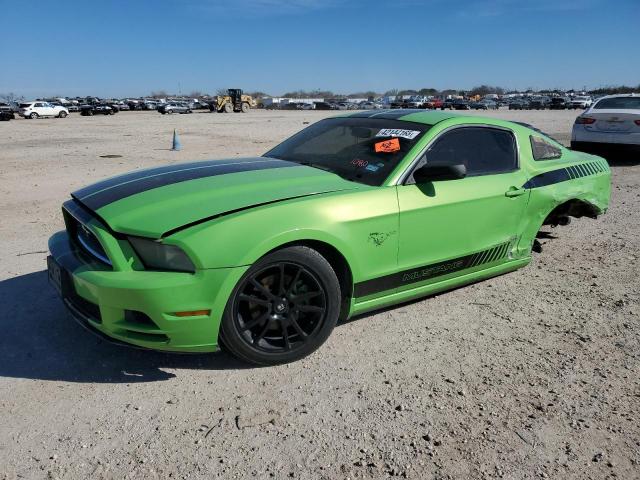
38	105
482	150
543	150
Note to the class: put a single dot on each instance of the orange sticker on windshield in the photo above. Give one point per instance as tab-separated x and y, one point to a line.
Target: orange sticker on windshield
388	146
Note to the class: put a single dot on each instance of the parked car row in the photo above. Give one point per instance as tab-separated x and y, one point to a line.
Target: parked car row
551	103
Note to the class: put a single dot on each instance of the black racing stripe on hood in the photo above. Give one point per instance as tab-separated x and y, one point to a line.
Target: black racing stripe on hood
147	172
109	191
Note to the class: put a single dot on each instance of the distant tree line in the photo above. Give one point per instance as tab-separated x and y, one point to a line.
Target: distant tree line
480	90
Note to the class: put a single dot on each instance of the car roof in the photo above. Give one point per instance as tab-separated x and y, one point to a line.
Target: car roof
619	95
407	114
432	117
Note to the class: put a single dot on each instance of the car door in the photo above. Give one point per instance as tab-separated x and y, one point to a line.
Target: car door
48	109
38	108
452	227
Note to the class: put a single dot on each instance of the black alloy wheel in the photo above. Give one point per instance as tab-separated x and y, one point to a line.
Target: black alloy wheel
283	308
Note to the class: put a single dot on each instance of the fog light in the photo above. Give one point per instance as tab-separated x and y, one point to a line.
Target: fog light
192	313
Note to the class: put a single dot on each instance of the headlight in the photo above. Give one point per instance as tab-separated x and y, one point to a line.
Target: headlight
160	256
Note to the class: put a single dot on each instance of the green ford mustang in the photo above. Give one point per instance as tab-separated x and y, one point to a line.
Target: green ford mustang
264	255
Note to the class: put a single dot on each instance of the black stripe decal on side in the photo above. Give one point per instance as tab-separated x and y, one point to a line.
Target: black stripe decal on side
583	170
476	260
564	174
549	178
426	272
164	177
494	254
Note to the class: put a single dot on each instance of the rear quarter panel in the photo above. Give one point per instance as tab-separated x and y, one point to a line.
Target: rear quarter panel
573	176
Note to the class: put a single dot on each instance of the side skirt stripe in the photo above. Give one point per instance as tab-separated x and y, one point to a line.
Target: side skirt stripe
426	272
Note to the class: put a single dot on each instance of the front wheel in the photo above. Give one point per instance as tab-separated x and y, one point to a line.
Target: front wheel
284	307
245	108
62	114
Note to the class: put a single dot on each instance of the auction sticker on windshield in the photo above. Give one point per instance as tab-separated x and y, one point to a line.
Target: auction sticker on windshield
388	146
398	132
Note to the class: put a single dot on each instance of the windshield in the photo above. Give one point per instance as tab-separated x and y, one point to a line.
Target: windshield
364	150
622	103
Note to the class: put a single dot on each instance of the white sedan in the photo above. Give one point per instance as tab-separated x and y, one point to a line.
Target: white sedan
42	109
610	126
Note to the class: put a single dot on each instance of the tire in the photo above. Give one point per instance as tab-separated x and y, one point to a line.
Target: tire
111	112
33	115
62	114
228	107
245	107
266	328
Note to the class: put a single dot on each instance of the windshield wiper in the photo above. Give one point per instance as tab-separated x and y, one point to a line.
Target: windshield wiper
316	165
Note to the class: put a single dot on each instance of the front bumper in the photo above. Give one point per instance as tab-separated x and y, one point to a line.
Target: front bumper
138	307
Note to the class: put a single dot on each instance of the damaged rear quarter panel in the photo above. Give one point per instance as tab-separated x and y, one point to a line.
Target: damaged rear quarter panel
593	188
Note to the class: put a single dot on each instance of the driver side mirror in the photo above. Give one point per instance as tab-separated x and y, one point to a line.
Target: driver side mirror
430	173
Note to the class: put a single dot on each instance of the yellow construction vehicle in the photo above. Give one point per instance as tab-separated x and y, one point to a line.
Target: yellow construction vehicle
233	101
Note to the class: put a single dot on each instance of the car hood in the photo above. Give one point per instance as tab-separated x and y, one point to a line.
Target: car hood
158	201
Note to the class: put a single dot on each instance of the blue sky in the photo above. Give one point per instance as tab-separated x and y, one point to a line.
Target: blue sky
132	47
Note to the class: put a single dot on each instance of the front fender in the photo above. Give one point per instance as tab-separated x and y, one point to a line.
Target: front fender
362	225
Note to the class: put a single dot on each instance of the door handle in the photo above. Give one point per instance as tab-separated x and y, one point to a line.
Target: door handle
515	192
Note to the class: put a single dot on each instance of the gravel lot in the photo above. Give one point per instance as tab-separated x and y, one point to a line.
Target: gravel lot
534	374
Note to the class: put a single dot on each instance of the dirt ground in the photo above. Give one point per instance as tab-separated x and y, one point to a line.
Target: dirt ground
534	374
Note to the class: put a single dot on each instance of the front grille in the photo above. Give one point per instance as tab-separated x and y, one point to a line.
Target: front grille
83	237
90	243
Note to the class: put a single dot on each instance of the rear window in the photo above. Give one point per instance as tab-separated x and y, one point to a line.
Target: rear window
364	150
618	103
543	150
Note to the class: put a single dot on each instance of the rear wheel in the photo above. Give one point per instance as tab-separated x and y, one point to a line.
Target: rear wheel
283	308
33	116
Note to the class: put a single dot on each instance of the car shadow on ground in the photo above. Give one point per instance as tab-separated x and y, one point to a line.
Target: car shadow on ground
39	340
